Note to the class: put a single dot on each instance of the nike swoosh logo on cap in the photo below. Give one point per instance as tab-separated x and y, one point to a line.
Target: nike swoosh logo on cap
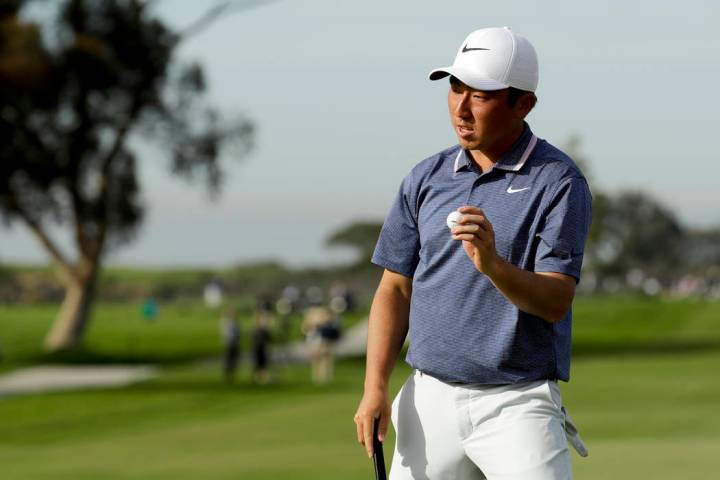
511	190
466	49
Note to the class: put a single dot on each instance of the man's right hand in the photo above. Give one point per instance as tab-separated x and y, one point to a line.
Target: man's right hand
374	404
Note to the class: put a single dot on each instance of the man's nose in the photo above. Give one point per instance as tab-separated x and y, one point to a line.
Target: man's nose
462	109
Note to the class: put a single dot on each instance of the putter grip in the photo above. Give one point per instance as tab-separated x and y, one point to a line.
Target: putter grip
378	457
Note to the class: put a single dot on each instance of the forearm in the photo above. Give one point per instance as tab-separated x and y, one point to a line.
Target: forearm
387	329
543	295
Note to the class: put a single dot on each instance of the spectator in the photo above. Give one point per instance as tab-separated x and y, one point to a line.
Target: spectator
322	330
261	341
230	334
149	309
213	293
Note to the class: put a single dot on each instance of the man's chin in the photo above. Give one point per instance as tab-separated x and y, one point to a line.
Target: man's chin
467	144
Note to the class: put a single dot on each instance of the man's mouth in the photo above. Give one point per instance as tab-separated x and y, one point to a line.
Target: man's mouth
464	131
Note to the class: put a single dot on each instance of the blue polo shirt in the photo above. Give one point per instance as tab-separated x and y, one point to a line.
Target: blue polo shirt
462	328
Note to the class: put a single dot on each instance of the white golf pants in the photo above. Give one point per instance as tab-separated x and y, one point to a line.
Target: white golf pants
463	432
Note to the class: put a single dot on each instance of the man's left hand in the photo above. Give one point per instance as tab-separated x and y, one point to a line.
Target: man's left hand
478	238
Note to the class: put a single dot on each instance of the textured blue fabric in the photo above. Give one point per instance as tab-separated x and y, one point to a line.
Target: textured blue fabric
462	329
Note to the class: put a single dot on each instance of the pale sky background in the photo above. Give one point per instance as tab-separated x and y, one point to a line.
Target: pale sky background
340	96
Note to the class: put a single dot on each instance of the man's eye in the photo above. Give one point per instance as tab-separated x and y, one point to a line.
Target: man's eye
480	97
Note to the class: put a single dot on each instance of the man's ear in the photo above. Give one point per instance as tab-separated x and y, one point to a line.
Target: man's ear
525	104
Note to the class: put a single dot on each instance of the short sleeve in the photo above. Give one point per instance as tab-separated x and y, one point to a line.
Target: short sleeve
565	229
398	247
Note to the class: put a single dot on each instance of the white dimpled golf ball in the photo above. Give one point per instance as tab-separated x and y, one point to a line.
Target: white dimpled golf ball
453	219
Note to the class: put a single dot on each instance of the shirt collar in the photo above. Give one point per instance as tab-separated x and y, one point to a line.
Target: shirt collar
512	160
461	161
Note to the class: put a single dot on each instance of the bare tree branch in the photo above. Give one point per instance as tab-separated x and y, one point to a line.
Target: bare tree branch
80	237
120	137
67	272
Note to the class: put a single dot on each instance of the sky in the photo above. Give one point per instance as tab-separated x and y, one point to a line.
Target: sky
339	94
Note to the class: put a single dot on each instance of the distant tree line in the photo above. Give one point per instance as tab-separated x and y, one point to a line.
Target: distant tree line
635	243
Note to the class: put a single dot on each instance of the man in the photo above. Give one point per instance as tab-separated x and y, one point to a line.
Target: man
486	306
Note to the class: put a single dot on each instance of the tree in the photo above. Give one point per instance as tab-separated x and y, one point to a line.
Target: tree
362	236
69	108
573	147
701	252
631	230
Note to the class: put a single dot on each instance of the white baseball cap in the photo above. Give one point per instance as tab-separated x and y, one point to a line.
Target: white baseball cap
493	59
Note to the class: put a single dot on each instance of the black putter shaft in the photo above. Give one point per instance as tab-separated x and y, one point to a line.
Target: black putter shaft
378	457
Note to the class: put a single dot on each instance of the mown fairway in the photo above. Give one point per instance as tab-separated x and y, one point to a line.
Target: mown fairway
644	393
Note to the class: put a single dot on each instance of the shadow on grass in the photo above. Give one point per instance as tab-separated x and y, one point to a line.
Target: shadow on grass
641	348
293	380
85	356
580	349
280	387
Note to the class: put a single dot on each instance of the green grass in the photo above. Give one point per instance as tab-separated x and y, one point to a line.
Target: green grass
644	393
652	416
627	324
187	425
118	333
181	332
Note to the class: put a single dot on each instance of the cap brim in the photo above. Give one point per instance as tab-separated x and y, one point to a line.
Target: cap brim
469	78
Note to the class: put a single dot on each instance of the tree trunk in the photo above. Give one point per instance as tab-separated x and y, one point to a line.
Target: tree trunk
69	326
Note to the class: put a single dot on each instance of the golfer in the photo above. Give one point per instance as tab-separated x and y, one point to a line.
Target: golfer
485	304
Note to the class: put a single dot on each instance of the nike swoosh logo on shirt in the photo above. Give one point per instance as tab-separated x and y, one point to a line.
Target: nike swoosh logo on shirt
466	49
512	190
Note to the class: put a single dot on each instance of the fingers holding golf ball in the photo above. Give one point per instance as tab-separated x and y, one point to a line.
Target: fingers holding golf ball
471	226
468	221
453	220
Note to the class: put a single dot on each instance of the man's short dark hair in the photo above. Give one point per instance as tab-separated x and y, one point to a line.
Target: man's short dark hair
514	94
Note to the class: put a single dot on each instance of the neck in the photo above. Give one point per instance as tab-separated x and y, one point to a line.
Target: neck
486	158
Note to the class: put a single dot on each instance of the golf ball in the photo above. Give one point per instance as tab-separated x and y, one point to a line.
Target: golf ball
452	219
